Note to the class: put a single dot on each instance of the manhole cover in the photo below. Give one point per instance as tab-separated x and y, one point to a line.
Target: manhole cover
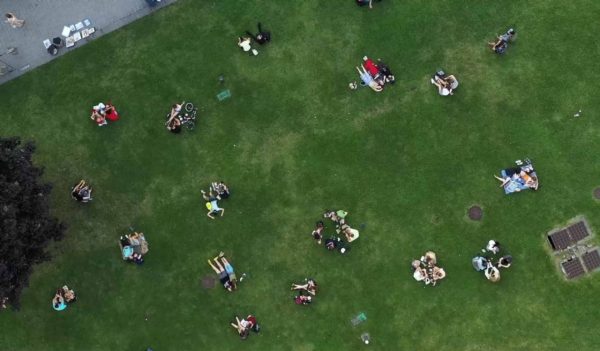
208	282
475	213
597	193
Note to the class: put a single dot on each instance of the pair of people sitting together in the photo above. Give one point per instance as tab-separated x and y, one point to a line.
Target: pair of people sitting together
485	263
374	75
426	269
134	247
102	113
225	271
216	192
341	227
82	192
173	123
244	326
446	84
245	42
518	178
62	297
500	45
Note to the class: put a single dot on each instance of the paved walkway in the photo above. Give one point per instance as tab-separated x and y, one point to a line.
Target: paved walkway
45	19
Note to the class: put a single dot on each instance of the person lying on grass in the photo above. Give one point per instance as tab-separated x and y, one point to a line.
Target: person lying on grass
174	125
229	285
516	177
82	192
212	205
310	286
368	80
227	265
317	234
241	329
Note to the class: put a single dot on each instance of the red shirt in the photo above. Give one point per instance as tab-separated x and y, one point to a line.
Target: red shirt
371	67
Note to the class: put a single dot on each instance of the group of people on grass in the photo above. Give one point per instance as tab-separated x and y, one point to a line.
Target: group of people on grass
62	298
262	37
491	261
217	191
342	228
134	247
521	177
445	83
225	271
103	113
426	269
306	291
374	75
82	192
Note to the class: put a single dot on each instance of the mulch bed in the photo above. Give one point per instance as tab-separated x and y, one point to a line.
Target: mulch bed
475	213
208	282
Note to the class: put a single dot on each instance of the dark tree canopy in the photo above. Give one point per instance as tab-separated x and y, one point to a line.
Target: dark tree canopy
26	227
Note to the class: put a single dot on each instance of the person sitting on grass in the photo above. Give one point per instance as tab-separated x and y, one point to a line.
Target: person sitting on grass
500	45
98	116
445	84
366	2
174	125
67	294
302	299
368	80
221	189
242	331
58	302
212	205
493	246
310	286
438	274
82	192
244	43
110	112
419	273
492	274
386	72
262	37
350	233
504	262
317	234
223	275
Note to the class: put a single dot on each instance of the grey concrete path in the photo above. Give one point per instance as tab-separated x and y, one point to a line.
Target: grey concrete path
45	19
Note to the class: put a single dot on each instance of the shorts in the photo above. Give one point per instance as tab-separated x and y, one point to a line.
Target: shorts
223	277
228	268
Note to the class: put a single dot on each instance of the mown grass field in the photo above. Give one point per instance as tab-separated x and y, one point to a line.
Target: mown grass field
292	141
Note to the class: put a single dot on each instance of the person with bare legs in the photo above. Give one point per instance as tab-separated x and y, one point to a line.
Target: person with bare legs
367	79
223	275
242	330
310	286
212	204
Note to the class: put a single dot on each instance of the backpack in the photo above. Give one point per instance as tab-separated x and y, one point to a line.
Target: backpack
256	328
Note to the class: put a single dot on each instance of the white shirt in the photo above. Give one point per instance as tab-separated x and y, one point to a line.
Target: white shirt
245	45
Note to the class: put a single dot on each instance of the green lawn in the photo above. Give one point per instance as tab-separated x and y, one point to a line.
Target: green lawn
294	140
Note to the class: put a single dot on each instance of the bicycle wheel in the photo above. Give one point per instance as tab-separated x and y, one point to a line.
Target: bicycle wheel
188	107
190	125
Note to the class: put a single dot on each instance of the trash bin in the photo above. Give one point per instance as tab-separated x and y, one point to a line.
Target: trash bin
152	3
58	42
53	50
